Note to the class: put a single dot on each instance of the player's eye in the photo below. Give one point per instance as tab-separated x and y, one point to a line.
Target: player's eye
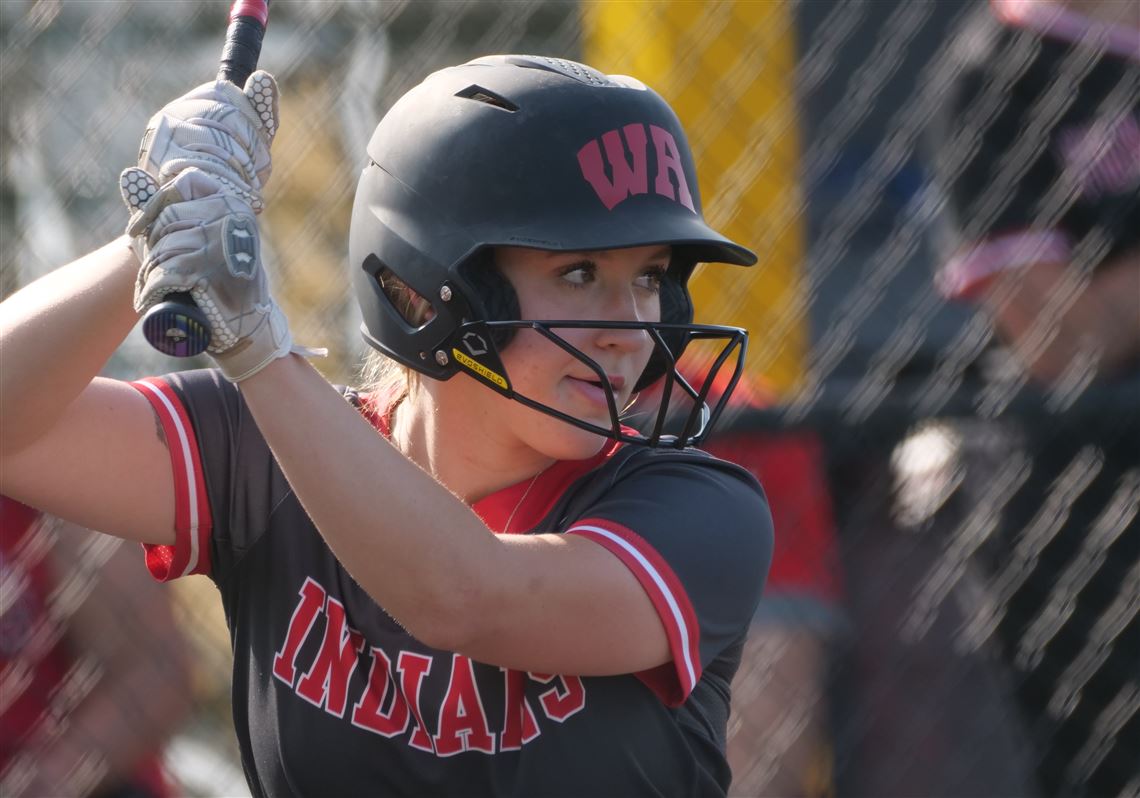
651	278
579	274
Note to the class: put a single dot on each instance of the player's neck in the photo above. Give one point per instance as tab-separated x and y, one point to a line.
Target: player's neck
436	430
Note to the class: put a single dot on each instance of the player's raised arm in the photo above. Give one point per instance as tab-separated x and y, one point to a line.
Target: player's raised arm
92	450
71	443
55	336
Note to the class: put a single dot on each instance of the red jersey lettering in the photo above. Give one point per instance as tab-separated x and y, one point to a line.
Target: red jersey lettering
369	713
392	696
326	683
413	668
519	724
304	616
559	704
462	719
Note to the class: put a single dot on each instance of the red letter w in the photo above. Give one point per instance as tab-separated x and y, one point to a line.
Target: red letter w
628	179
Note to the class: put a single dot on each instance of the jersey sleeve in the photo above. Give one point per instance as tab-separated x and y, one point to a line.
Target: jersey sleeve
697	535
226	483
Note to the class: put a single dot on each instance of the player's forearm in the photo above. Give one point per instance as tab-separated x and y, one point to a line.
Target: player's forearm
55	336
416	548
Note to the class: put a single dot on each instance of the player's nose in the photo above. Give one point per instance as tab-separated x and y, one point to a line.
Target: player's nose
624	305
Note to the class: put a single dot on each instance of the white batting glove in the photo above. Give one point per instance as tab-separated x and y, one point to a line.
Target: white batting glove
191	235
221	129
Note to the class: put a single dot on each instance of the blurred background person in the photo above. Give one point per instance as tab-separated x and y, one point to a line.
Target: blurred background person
1046	207
94	677
1039	155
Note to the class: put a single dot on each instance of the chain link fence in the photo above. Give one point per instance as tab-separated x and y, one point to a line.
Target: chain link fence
953	609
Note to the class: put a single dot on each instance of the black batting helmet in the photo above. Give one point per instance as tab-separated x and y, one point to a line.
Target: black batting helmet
517	150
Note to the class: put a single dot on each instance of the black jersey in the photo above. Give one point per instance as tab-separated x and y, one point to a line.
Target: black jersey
1040	147
332	697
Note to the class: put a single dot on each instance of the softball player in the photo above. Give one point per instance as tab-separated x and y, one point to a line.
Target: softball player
1041	164
479	585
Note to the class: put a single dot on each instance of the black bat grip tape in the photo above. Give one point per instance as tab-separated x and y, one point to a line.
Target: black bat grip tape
176	326
243	47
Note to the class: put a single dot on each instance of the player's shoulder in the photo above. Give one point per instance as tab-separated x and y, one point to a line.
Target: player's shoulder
211	408
665	476
209	384
194	389
197	381
687	505
690	460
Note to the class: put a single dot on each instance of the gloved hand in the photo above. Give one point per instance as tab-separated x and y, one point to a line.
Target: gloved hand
224	130
192	235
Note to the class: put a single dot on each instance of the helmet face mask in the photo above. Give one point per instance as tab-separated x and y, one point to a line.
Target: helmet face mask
663	424
522	151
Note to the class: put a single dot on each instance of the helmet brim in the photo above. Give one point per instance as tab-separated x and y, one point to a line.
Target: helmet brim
687	231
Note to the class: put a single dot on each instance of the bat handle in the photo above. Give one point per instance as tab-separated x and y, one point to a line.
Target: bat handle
243	41
178	327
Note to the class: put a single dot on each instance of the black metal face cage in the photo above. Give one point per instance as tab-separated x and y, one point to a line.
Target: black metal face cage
699	421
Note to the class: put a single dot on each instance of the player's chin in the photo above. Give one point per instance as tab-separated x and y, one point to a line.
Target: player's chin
564	441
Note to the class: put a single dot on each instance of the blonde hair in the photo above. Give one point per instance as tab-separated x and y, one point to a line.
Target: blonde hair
381	375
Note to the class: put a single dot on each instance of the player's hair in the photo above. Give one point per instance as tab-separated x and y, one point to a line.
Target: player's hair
382	376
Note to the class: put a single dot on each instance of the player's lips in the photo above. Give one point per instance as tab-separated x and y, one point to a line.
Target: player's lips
592	390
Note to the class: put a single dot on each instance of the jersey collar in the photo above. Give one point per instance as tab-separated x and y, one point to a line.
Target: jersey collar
520	506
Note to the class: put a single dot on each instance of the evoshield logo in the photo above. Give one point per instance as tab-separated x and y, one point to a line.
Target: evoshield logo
629	178
474	344
479	368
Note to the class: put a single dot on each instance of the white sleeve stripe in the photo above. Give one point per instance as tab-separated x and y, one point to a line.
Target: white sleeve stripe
666	593
191	477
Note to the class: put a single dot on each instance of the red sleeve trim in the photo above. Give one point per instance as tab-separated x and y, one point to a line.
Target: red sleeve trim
970	271
669	598
190	553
